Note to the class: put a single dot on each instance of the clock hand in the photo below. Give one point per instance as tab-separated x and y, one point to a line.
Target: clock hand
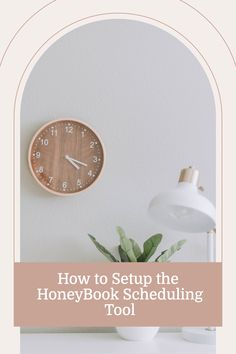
79	162
72	162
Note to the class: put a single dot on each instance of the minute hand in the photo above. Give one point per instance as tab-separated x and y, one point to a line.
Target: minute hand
79	162
72	162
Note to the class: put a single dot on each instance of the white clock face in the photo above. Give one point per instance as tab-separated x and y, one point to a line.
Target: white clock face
66	156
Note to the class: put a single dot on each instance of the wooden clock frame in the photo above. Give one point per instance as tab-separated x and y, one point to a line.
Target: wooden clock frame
36	136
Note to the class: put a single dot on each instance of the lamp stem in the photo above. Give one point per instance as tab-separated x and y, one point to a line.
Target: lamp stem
211	256
211	246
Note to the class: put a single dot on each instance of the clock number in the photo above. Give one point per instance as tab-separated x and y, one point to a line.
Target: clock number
44	142
95	159
90	173
83	133
91	145
64	185
69	129
53	131
79	182
50	179
40	169
37	155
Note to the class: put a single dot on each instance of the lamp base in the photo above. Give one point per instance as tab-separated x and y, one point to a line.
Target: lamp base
199	335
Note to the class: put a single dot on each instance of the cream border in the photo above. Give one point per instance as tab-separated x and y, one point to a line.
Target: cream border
225	72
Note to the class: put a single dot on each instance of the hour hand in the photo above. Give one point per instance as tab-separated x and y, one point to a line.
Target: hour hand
77	161
72	162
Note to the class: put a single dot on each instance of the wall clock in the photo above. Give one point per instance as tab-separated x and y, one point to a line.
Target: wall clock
66	156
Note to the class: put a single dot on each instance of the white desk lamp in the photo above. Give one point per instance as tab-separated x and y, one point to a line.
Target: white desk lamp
186	209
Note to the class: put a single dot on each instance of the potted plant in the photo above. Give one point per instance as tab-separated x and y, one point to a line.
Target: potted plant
130	251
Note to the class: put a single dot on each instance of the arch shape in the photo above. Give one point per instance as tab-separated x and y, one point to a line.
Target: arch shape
131	16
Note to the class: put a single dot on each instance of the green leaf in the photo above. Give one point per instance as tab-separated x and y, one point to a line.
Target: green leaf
126	244
102	249
157	259
165	255
123	255
149	247
136	248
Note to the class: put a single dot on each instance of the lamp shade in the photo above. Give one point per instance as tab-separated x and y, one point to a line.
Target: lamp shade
183	209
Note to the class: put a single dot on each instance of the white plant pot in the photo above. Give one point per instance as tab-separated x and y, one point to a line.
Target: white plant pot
137	333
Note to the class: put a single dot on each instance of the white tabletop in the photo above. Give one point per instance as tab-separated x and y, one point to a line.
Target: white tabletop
108	343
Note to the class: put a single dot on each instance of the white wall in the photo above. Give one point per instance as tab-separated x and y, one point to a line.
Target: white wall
151	102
